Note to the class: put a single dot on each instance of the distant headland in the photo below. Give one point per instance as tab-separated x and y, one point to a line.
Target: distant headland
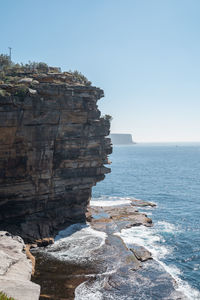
121	139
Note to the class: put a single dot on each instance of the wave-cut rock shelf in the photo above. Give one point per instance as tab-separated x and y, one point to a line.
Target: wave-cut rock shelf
91	261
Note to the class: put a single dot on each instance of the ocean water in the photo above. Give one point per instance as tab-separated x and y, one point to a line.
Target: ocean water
168	175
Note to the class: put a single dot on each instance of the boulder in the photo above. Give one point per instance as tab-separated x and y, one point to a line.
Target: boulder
32	92
141	253
25	80
15	269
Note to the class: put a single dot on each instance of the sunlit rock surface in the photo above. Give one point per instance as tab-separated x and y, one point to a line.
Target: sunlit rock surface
15	269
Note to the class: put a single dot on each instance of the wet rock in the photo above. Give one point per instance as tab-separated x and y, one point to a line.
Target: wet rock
44	242
149	282
126	216
141	253
16	269
82	265
142	203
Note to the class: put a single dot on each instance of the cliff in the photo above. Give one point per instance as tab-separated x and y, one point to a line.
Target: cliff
121	139
53	148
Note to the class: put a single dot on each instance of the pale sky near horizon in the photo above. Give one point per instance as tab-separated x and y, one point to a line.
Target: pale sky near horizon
145	54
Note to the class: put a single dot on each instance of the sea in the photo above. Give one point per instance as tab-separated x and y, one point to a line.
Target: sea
168	175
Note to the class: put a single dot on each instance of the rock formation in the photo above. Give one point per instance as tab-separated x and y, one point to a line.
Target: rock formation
95	262
15	269
52	151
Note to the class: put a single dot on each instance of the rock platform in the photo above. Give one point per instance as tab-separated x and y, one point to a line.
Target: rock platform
16	269
92	262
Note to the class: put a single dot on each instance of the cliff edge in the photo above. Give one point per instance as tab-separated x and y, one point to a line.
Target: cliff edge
53	148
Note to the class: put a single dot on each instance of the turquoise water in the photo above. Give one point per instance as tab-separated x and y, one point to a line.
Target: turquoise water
169	175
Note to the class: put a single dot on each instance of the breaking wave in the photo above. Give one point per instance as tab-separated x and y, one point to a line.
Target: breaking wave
152	240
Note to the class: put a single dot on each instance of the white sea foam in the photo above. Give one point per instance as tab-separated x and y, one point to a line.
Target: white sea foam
145	212
196	267
116	201
183	286
111	201
96	291
147	238
79	230
99	275
151	240
92	292
166	227
77	243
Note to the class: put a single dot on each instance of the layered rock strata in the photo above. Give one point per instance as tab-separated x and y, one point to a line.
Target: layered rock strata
15	269
52	151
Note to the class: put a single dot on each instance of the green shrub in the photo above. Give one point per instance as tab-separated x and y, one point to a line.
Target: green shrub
2	93
9	71
79	77
5	61
21	91
4	297
2	75
35	66
9	66
108	118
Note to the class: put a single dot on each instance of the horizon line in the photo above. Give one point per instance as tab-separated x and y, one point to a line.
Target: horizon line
139	142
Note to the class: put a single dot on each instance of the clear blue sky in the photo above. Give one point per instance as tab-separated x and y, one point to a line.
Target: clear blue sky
145	54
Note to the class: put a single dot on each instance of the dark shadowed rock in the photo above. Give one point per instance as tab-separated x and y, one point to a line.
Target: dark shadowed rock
52	152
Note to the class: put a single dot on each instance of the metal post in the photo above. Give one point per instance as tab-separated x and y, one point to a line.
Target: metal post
10	52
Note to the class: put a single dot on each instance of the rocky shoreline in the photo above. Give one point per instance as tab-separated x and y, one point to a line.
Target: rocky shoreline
91	261
54	146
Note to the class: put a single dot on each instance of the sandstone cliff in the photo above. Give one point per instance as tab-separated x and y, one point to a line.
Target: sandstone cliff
53	148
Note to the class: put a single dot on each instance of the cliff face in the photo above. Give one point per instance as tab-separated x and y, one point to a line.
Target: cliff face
52	151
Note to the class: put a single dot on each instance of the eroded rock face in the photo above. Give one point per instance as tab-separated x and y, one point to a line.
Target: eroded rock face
52	151
15	269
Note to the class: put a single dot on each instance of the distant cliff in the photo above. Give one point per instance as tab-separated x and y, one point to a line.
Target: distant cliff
52	151
121	139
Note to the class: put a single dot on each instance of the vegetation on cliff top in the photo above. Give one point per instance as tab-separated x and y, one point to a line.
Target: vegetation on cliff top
4	297
11	72
108	117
